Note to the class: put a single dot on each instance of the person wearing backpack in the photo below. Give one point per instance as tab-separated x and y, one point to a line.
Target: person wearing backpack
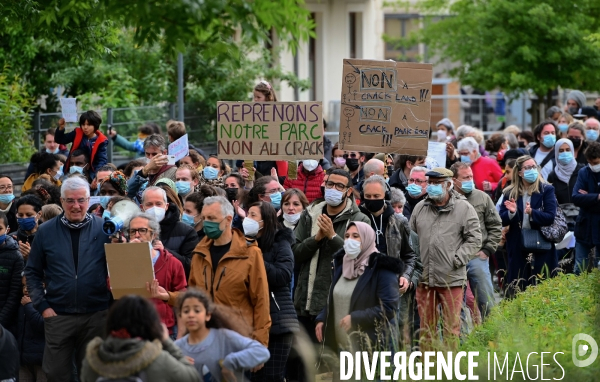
137	348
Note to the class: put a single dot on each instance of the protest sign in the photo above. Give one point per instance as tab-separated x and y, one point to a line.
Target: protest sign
437	151
69	109
180	148
270	130
386	107
129	268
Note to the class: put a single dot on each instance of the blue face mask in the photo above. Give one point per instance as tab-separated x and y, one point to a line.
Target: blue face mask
74	169
183	188
106	214
435	190
591	135
210	172
467	186
414	190
565	158
188	219
531	175
27	224
6	198
549	140
563	127
276	200
104	201
52	152
465	159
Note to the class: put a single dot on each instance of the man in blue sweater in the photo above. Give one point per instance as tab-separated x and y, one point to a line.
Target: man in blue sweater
68	254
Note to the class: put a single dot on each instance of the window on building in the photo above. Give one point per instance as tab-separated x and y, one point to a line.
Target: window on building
401	26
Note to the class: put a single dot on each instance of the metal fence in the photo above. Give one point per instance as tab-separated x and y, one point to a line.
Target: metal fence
126	121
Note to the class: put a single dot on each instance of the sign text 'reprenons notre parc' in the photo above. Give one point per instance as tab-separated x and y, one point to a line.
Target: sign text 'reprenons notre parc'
270	130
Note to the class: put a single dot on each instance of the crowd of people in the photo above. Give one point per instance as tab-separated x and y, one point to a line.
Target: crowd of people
356	251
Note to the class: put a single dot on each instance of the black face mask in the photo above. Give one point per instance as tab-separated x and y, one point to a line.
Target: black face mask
231	194
576	142
352	164
373	205
390	170
522	144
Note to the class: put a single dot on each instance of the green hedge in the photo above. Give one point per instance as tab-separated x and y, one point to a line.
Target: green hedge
544	318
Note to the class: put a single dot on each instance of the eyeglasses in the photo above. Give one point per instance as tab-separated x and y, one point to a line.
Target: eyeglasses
151	155
417	181
71	202
528	167
353	156
142	231
338	186
6	188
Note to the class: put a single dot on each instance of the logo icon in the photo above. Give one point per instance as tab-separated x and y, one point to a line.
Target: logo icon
579	349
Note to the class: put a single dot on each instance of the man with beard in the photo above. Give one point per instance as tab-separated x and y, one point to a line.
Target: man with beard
392	237
449	237
354	162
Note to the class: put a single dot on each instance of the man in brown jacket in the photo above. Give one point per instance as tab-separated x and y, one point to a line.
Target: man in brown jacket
231	269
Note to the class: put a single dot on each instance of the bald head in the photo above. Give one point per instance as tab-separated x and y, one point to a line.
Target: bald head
374	167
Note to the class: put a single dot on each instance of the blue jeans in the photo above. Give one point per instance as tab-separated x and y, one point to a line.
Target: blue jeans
582	256
480	281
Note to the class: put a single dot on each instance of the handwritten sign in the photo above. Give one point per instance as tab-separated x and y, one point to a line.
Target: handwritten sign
69	109
437	151
386	106
180	148
270	130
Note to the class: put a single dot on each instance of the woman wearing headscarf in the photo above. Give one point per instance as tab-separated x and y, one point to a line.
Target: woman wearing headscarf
363	296
564	175
114	184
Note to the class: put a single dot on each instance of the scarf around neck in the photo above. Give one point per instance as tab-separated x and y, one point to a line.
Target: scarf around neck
80	225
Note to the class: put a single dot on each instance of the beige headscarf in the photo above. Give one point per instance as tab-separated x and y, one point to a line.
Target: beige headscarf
352	268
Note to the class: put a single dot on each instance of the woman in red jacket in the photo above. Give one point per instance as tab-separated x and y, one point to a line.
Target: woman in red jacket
309	180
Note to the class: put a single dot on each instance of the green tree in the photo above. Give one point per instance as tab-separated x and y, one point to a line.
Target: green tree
515	45
15	103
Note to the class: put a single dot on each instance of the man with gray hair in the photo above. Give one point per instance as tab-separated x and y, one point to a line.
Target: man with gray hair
157	167
169	276
372	167
391	232
231	269
415	191
178	238
68	254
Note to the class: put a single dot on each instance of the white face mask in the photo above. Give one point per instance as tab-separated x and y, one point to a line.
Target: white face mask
333	197
398	214
352	248
251	227
157	212
310	164
292	218
595	168
441	136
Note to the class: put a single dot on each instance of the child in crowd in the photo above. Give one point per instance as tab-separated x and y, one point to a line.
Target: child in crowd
137	346
31	339
87	137
50	211
214	341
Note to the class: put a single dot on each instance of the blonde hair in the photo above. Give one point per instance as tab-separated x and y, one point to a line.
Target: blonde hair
267	90
513	129
50	211
517	187
175	129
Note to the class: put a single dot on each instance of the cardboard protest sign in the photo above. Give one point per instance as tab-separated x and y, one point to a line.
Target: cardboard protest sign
386	106
270	130
129	268
179	148
69	109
